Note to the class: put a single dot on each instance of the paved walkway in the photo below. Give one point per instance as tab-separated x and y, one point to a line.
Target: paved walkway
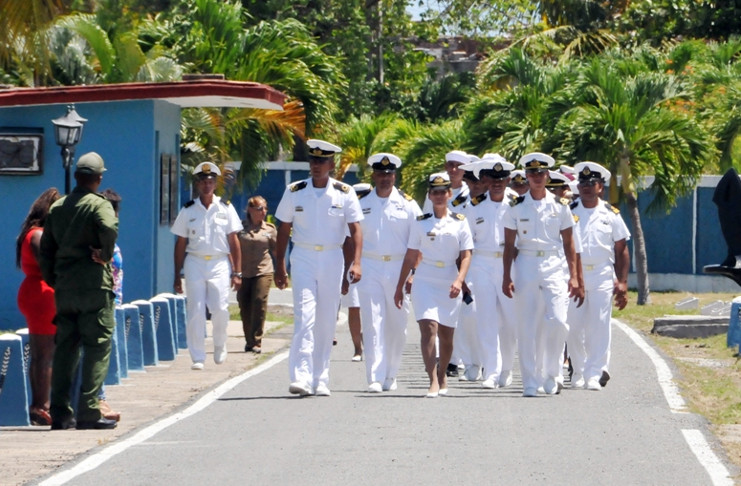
27	453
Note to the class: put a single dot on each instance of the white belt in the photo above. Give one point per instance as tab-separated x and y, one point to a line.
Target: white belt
207	257
538	253
383	258
310	246
437	263
495	254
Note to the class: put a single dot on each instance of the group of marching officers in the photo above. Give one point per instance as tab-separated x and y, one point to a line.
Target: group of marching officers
499	260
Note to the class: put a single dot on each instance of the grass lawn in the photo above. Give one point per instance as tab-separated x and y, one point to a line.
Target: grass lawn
709	372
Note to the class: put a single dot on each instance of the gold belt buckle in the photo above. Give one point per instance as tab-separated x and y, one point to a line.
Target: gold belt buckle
318	247
540	253
386	258
497	254
439	264
207	257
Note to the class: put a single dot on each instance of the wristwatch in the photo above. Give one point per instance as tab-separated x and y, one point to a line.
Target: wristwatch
237	274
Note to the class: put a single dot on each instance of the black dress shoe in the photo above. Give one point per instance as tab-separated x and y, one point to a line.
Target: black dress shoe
101	423
247	348
70	423
604	379
451	371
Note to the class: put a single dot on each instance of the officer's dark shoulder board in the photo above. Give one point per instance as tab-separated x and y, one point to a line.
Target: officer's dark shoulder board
297	186
341	187
458	216
478	199
405	195
226	202
514	202
362	194
422	217
459	200
189	203
612	208
574	205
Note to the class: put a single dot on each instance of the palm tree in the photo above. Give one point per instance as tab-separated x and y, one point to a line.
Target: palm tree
636	125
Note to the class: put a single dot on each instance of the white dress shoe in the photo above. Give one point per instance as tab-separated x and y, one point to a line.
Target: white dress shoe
198	365
432	395
490	383
593	384
357	358
375	387
219	354
322	390
389	384
472	373
530	392
443	392
550	386
577	381
298	388
505	379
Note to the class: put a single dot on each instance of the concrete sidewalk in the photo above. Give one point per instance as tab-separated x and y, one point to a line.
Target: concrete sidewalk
29	453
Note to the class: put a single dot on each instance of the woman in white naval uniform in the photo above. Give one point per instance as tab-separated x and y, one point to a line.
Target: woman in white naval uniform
605	262
496	315
542	226
319	210
388	217
442	238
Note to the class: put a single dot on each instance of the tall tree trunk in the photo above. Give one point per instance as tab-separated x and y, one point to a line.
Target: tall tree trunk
639	247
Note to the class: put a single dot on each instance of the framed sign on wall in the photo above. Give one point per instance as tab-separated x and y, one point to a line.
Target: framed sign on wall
21	152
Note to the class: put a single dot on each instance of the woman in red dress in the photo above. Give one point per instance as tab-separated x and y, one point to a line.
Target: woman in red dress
36	303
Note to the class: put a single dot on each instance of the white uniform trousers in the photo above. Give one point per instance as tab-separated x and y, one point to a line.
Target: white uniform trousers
590	332
384	325
317	281
496	316
542	300
466	345
206	284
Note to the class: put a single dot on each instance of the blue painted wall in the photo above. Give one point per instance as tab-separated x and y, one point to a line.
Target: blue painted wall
129	135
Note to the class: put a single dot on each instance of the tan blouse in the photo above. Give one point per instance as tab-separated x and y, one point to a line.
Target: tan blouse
257	247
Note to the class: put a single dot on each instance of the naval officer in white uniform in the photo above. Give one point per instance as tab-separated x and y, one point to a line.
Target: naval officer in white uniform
541	226
208	252
605	263
496	315
388	217
442	237
319	210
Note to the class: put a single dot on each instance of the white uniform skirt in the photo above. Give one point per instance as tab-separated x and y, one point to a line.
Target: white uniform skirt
431	300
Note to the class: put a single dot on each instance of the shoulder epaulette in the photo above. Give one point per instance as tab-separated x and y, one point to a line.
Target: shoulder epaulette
459	200
341	187
362	194
297	186
422	217
514	202
478	199
405	195
612	208
225	203
458	216
573	205
564	201
270	224
189	203
576	218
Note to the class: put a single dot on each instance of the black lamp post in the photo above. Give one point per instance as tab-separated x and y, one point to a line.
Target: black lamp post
67	133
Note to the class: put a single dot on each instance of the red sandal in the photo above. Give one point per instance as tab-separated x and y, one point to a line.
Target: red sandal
39	417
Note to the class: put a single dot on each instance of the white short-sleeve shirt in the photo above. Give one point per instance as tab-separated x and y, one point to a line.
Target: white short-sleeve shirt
207	229
387	222
539	223
600	228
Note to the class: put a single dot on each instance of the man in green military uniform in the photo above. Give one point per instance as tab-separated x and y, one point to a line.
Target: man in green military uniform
78	224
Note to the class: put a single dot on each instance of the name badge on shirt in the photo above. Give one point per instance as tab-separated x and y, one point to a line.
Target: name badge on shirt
479	220
432	235
220	217
298	209
366	210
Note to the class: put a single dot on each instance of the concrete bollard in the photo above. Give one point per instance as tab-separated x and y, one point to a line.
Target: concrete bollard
13	380
179	318
132	326
734	326
163	324
149	336
26	343
121	342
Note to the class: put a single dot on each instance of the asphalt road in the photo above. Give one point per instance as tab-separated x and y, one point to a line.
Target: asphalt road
256	433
